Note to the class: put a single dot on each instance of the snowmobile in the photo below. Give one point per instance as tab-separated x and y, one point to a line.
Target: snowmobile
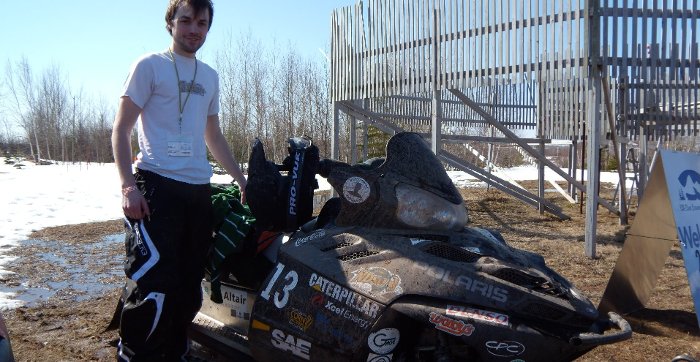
390	271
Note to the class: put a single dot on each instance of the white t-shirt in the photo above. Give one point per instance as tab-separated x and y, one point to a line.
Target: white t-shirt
152	84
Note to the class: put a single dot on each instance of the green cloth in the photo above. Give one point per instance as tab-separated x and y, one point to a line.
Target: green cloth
232	222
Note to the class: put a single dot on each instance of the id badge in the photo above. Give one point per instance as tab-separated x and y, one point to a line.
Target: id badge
180	146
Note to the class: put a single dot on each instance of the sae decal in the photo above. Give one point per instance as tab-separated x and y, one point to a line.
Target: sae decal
289	343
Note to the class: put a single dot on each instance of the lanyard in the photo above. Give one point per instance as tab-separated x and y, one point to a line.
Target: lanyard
180	105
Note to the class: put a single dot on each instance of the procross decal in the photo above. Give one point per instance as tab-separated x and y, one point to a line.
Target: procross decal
482	288
289	343
341	294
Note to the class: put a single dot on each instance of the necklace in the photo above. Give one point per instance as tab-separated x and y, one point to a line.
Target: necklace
180	105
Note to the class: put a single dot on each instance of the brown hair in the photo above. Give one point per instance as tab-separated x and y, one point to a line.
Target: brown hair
197	5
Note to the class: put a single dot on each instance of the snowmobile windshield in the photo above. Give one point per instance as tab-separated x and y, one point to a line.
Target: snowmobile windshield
423	209
409	189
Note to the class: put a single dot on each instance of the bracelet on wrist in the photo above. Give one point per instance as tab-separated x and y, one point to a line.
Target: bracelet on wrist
128	189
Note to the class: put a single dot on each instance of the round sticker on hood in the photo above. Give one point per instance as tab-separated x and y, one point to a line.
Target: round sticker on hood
384	340
356	190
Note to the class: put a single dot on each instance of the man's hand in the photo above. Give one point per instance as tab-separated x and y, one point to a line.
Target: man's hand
134	203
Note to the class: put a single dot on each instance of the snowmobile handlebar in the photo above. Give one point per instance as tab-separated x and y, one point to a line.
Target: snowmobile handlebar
595	339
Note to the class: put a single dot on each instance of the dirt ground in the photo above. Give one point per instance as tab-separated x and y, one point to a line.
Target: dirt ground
69	325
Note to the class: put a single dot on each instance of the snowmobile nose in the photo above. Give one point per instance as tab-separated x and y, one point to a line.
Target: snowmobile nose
624	332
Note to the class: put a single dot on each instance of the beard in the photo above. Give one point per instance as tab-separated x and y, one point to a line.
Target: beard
189	46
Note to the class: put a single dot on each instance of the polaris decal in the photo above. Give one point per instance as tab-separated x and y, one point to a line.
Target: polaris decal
505	348
477	314
315	235
343	295
482	288
299	319
376	281
451	326
356	190
289	343
384	340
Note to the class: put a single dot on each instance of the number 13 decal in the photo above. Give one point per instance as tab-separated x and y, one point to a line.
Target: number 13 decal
281	296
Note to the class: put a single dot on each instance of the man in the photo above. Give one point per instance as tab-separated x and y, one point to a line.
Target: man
167	204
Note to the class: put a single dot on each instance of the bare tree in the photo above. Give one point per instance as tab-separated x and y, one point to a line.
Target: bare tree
18	79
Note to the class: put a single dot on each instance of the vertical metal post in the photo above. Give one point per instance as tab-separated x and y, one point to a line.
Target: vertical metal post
643	169
573	154
365	133
623	139
540	178
353	140
492	130
594	125
436	111
335	129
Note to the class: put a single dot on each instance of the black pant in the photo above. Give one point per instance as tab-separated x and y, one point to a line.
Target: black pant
165	266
